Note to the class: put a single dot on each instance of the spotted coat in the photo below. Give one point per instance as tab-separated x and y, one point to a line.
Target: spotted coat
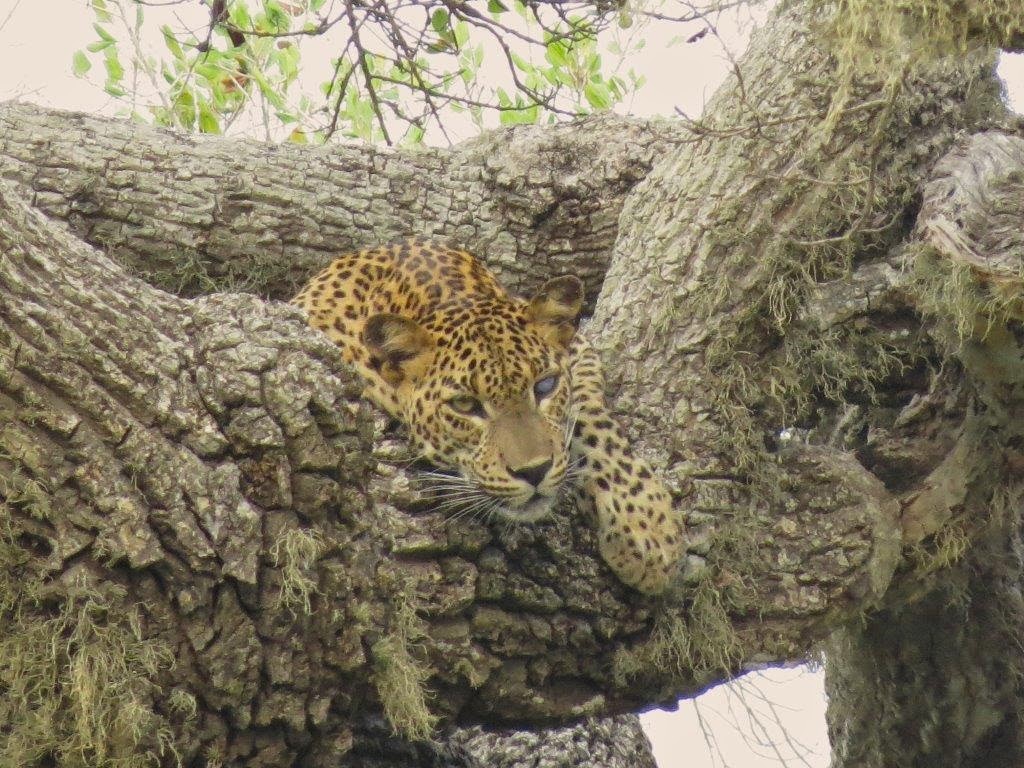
499	389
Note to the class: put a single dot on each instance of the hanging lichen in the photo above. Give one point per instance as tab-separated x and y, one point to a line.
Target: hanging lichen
76	673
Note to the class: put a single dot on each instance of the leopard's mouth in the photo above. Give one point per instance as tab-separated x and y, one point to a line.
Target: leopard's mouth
459	495
537	507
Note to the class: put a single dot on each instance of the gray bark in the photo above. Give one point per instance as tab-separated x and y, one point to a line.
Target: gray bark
613	741
934	678
197	214
199	471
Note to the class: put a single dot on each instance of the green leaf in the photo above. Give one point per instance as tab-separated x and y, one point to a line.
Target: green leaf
496	7
172	42
114	90
413	137
208	122
520	63
555	53
80	63
288	61
598	95
104	35
115	72
239	16
525	116
99	7
276	17
99	45
270	93
439	20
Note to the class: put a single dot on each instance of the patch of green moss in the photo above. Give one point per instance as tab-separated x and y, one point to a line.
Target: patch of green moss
692	646
952	291
942	550
186	275
400	678
183	702
296	553
803	370
810	228
189	273
885	35
76	674
841	197
21	472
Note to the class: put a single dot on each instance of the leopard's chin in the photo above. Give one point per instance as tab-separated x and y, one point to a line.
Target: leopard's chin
536	508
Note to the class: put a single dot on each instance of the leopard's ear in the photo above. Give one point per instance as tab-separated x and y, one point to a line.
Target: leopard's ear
397	347
556	308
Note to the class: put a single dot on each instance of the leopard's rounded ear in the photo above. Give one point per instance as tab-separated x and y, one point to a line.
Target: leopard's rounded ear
396	345
556	307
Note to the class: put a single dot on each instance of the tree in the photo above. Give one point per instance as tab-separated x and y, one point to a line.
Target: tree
212	550
398	70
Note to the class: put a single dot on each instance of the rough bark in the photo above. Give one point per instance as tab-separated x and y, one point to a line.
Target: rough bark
196	214
614	741
935	677
207	456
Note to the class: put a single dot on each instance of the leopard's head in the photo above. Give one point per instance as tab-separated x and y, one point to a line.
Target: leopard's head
483	385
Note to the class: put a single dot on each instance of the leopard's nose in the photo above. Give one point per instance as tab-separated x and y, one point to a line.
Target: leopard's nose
534	474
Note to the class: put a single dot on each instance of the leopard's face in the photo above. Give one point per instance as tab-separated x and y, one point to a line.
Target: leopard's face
493	403
483	385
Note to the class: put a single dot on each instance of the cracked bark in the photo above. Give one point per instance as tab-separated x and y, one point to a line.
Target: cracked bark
187	449
939	668
195	214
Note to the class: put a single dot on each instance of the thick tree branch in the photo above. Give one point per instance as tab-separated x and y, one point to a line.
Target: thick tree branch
195	214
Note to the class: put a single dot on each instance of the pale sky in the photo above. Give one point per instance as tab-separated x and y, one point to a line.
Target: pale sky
763	719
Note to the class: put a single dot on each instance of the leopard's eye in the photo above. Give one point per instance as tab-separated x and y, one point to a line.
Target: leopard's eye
467	405
545	387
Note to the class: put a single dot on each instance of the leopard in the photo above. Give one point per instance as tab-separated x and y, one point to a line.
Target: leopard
502	393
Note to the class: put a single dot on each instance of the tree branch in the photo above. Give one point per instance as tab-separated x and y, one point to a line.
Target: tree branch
194	214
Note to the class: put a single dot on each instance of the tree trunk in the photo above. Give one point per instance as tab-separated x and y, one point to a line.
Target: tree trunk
211	551
935	677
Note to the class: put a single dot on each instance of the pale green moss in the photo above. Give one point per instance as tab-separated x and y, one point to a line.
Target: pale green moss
953	293
944	549
842	196
296	553
885	35
472	673
77	676
183	702
691	647
401	679
21	469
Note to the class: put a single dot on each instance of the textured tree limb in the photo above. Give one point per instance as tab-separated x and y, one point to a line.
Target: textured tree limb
195	214
942	661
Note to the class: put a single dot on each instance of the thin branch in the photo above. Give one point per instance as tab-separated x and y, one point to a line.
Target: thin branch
361	57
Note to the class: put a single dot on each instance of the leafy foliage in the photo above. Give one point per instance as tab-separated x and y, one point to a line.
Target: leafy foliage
397	68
